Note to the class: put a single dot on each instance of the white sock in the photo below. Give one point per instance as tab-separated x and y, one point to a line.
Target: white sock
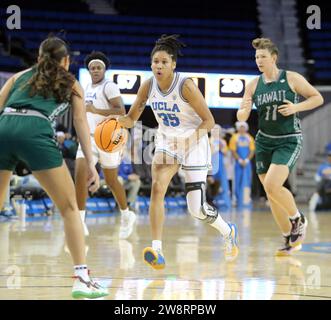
82	271
297	215
157	245
125	212
221	226
82	215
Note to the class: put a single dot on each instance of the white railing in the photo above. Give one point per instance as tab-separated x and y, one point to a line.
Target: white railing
316	129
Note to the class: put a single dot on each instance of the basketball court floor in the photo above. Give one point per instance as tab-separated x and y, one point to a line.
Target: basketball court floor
34	263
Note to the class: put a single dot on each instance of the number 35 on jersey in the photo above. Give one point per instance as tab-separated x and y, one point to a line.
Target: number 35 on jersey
167	113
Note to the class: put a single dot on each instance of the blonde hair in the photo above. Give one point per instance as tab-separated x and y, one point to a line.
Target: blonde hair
265	43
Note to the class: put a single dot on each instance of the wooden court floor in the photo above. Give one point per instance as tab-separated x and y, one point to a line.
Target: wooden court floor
35	265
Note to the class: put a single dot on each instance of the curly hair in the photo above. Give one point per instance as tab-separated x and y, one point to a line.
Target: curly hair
50	78
97	55
169	44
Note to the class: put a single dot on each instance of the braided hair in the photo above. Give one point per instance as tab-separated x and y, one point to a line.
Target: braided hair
169	44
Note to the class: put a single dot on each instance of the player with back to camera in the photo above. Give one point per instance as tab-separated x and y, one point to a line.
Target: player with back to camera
183	123
102	99
29	102
279	139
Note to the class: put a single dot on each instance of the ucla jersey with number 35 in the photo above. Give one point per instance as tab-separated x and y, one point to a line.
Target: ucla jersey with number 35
173	113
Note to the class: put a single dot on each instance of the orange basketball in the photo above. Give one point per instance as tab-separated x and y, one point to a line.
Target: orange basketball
110	136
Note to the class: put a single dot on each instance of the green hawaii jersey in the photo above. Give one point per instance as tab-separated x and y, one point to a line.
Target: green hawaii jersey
19	98
267	98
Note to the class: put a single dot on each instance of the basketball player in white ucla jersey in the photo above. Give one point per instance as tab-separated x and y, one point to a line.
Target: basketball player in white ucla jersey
182	141
102	99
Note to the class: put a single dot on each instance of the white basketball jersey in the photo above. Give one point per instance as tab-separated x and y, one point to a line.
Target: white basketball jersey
99	94
173	113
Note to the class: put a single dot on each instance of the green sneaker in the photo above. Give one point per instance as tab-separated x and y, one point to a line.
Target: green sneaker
87	289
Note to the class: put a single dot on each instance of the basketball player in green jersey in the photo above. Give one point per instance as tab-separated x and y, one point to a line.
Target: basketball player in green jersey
279	139
29	103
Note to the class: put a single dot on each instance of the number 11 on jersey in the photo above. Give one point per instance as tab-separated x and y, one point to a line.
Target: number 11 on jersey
274	112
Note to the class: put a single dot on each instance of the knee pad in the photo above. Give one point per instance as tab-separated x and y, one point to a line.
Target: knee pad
196	202
210	213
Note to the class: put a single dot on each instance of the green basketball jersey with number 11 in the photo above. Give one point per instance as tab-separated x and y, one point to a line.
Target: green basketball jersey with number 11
267	98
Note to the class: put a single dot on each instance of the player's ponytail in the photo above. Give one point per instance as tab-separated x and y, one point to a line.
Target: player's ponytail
169	44
50	78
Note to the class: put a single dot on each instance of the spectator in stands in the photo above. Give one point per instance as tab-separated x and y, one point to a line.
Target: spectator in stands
242	147
102	99
140	162
279	139
68	148
328	147
217	178
29	100
129	179
322	197
229	161
21	182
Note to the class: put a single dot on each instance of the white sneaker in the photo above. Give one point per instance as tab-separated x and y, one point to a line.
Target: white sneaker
87	289
127	222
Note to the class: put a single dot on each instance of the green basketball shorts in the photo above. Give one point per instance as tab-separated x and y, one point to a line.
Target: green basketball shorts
283	150
30	139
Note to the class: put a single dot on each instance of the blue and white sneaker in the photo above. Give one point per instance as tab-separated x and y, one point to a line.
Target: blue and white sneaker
154	258
231	248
